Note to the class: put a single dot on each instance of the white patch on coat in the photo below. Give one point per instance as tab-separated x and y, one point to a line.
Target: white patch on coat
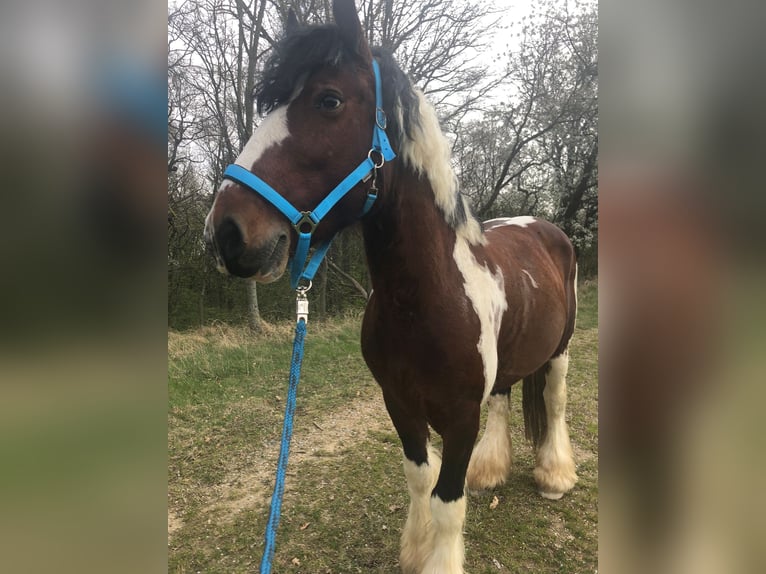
448	551
272	131
226	183
521	221
429	154
208	234
486	291
575	284
532	279
416	534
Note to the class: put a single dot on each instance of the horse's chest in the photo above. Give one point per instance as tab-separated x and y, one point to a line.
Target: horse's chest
435	345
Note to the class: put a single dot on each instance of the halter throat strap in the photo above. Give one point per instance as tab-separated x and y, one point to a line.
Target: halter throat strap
305	266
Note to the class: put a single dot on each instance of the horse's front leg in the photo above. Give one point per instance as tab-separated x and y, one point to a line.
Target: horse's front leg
448	500
421	469
416	540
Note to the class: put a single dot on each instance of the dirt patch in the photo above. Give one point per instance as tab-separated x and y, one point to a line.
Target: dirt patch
329	436
582	455
174	522
338	430
559	533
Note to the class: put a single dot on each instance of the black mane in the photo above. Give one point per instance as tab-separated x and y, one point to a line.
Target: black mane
312	47
294	57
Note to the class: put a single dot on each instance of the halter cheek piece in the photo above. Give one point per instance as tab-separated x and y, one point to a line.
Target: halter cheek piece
305	222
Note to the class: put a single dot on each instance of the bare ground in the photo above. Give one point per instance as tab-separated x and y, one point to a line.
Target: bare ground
249	485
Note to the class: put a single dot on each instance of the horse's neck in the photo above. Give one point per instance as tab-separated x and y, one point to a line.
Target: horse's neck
407	239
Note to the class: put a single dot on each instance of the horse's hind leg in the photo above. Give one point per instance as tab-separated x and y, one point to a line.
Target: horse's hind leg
421	469
492	456
555	470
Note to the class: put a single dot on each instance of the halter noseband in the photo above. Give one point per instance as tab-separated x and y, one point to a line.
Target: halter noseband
305	222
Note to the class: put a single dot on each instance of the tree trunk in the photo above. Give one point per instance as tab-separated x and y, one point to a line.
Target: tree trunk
202	301
322	291
254	313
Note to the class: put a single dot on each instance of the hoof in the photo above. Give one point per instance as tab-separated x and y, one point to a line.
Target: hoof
552	495
490	476
553	484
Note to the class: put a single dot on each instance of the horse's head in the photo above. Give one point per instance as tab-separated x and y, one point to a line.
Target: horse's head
319	91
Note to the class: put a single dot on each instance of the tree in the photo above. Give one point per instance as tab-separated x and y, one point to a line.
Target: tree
536	151
436	42
222	38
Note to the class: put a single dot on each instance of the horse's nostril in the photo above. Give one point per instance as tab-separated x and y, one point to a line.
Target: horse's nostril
230	241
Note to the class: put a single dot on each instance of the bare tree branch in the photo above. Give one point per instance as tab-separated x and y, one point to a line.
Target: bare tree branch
353	282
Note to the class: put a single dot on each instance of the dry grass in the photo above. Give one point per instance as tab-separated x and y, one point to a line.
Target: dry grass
219	336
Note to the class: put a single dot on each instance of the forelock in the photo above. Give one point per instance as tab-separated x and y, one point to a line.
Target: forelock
309	48
298	54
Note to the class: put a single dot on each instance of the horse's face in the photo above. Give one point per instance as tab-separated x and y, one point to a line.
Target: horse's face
303	149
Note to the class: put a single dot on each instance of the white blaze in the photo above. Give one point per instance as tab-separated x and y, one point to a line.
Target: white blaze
272	131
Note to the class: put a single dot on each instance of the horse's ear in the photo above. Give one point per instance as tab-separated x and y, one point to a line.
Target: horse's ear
347	20
292	22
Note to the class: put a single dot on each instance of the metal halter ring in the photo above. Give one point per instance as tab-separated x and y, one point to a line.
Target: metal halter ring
303	221
376	165
302	290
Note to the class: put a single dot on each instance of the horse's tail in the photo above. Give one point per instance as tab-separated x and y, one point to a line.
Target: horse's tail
535	418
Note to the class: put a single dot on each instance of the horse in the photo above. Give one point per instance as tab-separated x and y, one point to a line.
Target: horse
459	310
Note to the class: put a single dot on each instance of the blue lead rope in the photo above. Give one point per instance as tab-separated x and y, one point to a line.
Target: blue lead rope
284	449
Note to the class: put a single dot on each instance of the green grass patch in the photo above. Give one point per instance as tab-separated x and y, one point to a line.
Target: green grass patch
587	305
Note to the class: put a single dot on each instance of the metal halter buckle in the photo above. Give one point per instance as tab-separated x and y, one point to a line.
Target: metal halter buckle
380	118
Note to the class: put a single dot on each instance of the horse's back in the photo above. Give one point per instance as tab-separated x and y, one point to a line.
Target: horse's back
530	240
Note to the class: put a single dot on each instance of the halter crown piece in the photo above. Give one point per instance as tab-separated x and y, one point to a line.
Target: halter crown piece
305	222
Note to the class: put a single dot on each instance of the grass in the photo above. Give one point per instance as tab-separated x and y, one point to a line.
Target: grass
346	497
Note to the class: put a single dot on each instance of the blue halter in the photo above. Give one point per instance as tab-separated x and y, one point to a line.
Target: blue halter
305	222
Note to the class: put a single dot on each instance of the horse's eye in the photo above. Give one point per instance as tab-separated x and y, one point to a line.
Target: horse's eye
330	103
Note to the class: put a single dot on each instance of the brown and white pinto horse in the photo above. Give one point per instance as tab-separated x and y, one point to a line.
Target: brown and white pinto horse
459	311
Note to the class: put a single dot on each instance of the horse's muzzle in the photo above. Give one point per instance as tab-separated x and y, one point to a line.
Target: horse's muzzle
265	262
